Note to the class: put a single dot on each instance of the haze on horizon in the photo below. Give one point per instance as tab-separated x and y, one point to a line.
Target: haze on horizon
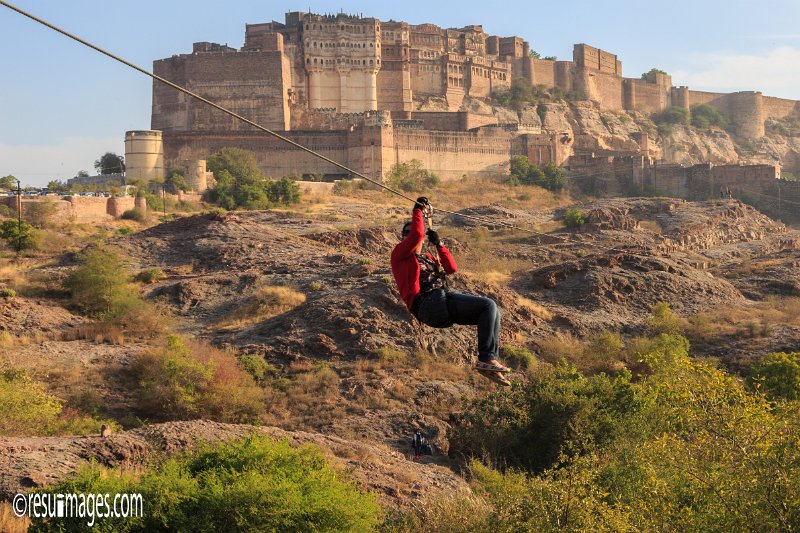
64	105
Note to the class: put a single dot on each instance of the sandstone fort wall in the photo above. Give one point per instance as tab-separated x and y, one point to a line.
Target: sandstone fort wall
252	84
73	208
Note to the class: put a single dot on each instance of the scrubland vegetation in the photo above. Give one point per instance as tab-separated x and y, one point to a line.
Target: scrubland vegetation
258	484
603	431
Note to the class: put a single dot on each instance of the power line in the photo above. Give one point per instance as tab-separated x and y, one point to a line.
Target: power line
248	121
279	136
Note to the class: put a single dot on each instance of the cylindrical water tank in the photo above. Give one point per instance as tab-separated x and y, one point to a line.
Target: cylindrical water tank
144	155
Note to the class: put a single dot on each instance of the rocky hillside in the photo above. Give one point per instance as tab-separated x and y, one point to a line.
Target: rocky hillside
592	128
352	371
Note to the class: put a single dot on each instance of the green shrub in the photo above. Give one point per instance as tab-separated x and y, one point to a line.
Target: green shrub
186	380
137	214
390	355
6	292
257	484
26	405
686	444
518	357
240	184
777	375
124	231
551	177
672	115
517	97
150	275
99	286
662	320
258	368
705	116
605	347
558	411
574	218
20	236
411	177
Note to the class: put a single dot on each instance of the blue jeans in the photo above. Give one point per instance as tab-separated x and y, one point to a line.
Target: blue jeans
469	310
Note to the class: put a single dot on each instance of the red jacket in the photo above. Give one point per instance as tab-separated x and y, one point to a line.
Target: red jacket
405	266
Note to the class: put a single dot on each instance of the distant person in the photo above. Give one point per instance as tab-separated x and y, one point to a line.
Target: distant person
421	280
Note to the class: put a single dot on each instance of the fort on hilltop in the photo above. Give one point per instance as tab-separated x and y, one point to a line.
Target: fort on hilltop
358	90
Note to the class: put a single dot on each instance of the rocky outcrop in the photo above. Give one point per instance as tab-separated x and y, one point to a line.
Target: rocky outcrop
32	462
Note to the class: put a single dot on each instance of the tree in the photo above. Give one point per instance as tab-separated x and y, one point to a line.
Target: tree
20	236
554	177
411	177
83	174
574	218
241	186
8	182
534	54
110	163
653	71
175	182
526	173
56	186
240	163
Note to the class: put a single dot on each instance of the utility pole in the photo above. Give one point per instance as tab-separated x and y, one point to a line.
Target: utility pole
19	216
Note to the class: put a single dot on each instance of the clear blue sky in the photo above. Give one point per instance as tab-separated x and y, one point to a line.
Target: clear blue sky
63	105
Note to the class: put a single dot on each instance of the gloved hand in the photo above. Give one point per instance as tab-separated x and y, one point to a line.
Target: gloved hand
422	203
433	237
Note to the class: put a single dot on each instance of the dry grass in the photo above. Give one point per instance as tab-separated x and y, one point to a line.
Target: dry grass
468	192
9	340
495	277
534	308
188	379
9	523
754	320
98	332
561	346
12	275
549	226
265	302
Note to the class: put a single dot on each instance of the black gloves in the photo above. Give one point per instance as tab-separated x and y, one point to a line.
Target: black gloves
433	237
422	203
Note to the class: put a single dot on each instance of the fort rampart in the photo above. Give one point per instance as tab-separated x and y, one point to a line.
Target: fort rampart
758	185
73	208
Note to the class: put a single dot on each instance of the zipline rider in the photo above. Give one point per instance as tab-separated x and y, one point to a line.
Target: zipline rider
422	282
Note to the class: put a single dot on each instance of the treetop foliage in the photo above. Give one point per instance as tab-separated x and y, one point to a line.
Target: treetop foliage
550	177
110	163
411	177
685	444
241	186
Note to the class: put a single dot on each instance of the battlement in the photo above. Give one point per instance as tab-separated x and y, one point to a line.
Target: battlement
591	58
